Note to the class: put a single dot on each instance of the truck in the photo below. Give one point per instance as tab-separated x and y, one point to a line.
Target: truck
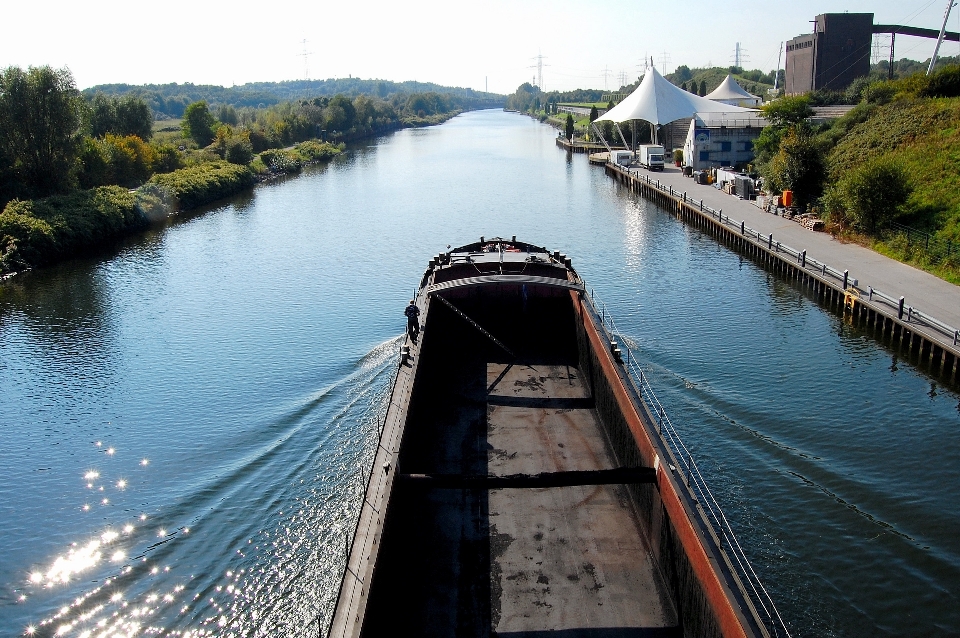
650	156
623	158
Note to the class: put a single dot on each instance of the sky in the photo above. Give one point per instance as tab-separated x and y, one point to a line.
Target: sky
492	44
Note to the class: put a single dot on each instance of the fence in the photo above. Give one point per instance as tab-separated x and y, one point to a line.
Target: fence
696	482
811	265
932	245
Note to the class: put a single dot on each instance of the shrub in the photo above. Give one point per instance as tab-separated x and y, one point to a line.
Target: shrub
281	161
313	150
205	183
943	83
43	230
239	150
131	159
874	193
154	201
166	158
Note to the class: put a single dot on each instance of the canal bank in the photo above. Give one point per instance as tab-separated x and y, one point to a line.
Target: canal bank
925	327
246	354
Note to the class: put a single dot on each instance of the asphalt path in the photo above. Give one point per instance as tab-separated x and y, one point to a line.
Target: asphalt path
921	290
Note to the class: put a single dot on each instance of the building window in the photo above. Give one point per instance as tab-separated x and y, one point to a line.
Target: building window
704	156
725	147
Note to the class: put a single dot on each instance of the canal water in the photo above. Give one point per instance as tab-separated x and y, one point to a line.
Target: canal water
187	421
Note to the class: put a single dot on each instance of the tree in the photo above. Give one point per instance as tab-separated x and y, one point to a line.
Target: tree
799	166
341	113
703	88
103	115
683	86
568	127
787	111
134	117
593	113
128	115
40	118
198	123
227	114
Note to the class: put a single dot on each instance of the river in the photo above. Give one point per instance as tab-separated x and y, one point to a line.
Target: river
188	419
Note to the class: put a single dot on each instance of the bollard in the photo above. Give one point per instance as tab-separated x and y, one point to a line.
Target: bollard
701	205
803	259
900	310
956	336
770	242
743	228
909	313
846	275
871	294
823	270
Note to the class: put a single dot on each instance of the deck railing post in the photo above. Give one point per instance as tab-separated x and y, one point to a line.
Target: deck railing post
846	276
803	259
900	309
743	228
770	242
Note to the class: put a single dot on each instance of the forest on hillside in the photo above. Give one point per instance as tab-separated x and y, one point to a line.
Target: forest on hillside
171	100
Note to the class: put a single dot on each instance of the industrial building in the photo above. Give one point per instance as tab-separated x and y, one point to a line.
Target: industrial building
838	50
833	56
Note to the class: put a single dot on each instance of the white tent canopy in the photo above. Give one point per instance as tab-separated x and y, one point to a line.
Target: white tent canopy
658	101
730	91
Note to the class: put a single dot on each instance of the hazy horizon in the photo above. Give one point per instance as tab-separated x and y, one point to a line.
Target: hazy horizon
484	47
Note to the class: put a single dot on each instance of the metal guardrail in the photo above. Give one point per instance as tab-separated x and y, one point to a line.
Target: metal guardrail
697	483
821	268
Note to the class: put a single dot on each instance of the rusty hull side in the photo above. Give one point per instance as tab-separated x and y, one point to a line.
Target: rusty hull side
699	577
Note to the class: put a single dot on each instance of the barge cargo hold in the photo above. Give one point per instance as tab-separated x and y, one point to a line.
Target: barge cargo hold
522	486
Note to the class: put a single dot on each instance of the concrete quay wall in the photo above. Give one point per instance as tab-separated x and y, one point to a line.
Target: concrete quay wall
930	340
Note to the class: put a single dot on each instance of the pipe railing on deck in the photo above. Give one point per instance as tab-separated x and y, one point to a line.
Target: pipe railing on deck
696	482
806	263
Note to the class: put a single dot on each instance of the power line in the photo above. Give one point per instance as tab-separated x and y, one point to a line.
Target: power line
605	74
664	61
739	56
539	67
305	55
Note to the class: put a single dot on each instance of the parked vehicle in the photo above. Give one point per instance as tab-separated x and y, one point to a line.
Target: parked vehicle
650	156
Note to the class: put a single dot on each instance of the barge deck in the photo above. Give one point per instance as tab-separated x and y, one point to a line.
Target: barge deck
520	487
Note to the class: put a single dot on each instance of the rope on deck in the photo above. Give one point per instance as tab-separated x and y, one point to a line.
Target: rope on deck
476	325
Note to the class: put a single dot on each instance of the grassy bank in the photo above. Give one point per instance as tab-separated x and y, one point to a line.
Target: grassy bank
922	137
40	232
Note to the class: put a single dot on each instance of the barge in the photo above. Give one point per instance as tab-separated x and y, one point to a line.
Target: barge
522	487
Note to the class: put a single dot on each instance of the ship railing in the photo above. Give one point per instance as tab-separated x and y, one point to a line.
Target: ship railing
696	482
806	263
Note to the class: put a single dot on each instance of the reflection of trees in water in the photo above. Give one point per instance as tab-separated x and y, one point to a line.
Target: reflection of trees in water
65	310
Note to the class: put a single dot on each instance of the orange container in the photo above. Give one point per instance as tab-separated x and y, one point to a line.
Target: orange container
787	198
